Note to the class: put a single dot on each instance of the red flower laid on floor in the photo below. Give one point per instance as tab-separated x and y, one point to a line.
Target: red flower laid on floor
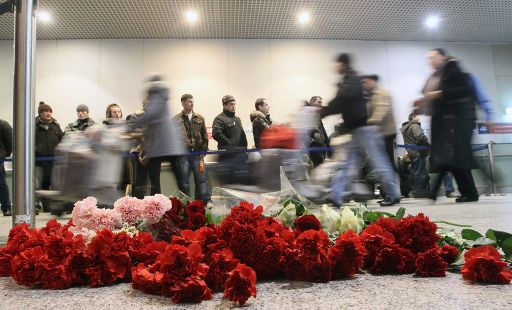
417	233
220	264
146	281
392	259
483	264
27	268
347	256
190	290
307	222
240	284
449	253
431	264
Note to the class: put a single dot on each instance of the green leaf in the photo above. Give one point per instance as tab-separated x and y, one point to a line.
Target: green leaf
299	209
490	234
506	246
370	216
400	213
470	234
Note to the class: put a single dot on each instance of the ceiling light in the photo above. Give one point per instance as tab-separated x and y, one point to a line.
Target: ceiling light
304	17
432	22
508	111
191	16
44	16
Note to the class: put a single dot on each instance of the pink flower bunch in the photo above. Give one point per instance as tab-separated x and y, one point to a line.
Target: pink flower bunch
154	207
106	219
83	212
130	209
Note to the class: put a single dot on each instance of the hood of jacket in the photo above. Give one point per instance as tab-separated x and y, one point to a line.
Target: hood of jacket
255	114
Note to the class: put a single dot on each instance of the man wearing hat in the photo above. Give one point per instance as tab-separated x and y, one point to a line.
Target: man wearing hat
227	128
48	136
83	122
230	136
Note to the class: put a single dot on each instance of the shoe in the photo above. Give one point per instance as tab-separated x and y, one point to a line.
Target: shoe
466	199
389	202
8	213
450	195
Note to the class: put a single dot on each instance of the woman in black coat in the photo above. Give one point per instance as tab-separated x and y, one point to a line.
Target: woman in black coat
452	104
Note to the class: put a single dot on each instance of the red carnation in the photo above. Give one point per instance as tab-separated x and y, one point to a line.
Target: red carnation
449	253
377	230
27	266
417	233
430	264
220	264
373	244
196	220
387	260
388	224
241	284
146	281
5	262
245	213
177	206
246	242
267	264
483	264
307	222
190	290
59	277
347	256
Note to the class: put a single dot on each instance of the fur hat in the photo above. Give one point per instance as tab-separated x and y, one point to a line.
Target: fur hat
82	107
43	107
228	98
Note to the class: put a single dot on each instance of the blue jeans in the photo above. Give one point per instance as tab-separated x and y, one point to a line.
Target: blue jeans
4	191
366	139
448	183
190	164
420	178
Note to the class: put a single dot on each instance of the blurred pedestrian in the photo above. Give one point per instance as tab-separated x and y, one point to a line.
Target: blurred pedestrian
193	127
349	101
5	151
162	137
451	98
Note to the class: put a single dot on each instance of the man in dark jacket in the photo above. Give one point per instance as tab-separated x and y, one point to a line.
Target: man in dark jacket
349	101
5	151
196	140
227	128
230	136
318	136
415	138
48	136
260	119
83	122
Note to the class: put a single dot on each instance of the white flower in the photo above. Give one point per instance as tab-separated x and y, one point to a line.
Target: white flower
329	219
348	221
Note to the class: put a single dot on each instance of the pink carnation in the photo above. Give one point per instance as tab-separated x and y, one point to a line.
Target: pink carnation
83	212
130	209
106	219
87	234
154	207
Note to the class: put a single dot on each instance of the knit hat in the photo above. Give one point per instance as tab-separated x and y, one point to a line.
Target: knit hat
344	58
43	107
82	108
228	98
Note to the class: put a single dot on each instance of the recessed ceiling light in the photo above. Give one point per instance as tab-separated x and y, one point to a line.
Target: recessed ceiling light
508	111
304	17
44	16
432	22
191	16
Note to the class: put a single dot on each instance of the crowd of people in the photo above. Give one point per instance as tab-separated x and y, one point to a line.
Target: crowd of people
450	96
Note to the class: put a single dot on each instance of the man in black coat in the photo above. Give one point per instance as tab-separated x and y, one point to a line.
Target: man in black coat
48	136
450	97
260	119
350	102
5	151
318	136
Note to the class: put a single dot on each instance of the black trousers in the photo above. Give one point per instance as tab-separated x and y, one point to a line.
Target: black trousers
47	168
154	167
464	179
389	142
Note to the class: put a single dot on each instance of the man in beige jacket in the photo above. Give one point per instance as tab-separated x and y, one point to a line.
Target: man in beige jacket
380	112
